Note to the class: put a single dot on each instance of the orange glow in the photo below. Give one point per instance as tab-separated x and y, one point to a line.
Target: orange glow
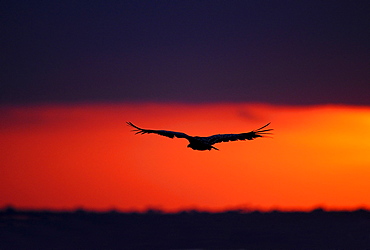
65	157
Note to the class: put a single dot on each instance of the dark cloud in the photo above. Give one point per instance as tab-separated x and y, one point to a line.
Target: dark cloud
285	52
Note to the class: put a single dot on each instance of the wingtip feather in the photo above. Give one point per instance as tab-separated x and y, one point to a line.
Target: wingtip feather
264	126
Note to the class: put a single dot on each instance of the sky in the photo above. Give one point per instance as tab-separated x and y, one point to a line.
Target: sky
278	52
70	157
73	72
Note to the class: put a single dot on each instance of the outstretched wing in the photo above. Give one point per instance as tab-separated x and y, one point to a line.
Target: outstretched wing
261	132
166	133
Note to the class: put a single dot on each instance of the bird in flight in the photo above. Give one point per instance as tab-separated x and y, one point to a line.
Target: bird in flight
205	143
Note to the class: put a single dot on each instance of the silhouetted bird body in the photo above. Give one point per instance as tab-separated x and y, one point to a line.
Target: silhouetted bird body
205	143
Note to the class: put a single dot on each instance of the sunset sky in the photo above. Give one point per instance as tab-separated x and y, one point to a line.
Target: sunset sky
74	72
66	157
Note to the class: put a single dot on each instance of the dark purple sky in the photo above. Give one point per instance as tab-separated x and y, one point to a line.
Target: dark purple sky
279	52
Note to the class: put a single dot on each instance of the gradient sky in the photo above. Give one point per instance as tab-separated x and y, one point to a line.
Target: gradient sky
73	72
66	157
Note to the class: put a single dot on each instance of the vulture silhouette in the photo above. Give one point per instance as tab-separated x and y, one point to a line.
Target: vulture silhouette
205	143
